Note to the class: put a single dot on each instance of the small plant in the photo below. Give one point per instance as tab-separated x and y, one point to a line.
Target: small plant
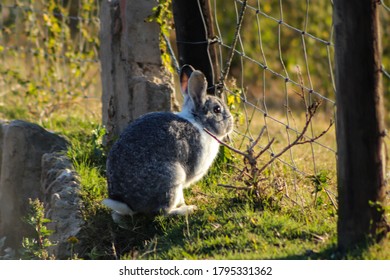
36	247
99	150
89	149
320	182
162	15
72	241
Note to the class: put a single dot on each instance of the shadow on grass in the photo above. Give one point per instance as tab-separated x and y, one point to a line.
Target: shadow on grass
101	238
131	238
362	251
329	253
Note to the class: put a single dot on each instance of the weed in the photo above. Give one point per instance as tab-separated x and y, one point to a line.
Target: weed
87	149
37	247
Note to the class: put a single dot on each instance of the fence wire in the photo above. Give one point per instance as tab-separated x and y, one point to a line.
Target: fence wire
279	58
280	70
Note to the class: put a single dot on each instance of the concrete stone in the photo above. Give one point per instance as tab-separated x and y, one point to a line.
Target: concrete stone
22	146
61	197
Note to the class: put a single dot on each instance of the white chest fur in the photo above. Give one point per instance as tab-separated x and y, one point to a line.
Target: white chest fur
210	148
210	151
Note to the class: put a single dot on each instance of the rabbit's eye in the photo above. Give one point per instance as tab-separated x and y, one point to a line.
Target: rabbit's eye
217	109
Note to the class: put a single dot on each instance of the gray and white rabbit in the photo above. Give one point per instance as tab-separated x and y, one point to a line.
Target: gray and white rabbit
161	153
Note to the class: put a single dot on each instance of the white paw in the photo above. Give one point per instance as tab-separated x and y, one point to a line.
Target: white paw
119	207
182	210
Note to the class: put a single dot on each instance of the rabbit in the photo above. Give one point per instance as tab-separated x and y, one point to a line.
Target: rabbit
161	153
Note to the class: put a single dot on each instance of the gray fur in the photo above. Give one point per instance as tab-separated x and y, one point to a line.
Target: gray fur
161	153
144	159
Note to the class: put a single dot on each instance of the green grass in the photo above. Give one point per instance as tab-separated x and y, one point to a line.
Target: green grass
237	231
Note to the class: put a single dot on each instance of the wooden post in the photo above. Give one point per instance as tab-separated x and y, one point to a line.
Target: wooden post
194	30
360	124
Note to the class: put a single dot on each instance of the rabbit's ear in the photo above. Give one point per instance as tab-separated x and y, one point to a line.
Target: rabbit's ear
185	74
197	86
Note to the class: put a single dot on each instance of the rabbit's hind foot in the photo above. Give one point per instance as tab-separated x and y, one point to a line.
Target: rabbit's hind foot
182	210
119	207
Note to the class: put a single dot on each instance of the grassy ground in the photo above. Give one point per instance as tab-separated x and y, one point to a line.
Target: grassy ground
232	224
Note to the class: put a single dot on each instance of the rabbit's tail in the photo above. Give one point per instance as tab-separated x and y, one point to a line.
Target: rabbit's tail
119	207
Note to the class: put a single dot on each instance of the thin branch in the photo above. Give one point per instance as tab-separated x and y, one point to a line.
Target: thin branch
318	136
331	199
235	187
254	143
309	115
267	147
224	144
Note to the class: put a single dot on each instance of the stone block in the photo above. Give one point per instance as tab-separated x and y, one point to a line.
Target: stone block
22	146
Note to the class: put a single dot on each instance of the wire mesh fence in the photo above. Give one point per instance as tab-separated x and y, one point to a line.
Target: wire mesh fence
281	75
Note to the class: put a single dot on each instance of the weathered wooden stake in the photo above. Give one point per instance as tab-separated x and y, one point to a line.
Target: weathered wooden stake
360	123
194	31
